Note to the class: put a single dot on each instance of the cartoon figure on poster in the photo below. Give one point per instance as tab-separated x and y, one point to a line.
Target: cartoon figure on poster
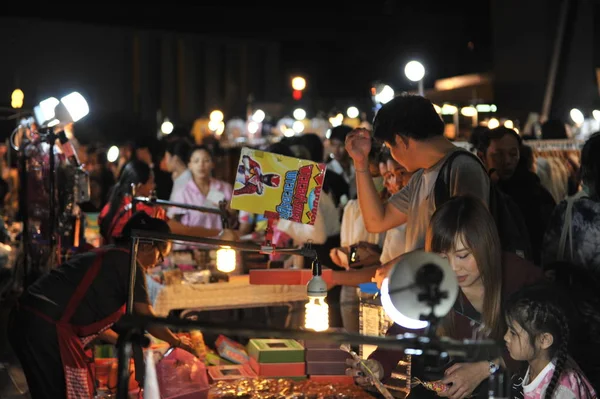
277	186
250	174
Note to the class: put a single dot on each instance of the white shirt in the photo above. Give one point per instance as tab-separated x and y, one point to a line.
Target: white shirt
353	227
394	244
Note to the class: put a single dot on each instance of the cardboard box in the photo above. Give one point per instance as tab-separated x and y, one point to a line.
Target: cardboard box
230	372
278	369
276	350
231	350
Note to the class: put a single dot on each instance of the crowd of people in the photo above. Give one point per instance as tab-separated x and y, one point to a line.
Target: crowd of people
526	263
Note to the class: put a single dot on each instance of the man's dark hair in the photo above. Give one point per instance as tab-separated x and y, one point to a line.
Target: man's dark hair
142	221
409	116
340	133
496	134
181	147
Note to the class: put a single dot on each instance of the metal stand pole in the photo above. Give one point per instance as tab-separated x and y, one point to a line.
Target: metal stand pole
132	272
51	190
124	349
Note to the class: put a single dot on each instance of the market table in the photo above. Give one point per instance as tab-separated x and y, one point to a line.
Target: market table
238	293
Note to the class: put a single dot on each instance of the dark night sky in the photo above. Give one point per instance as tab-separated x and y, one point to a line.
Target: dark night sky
340	47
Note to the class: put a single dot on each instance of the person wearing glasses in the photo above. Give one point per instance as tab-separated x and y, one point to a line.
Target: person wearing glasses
58	316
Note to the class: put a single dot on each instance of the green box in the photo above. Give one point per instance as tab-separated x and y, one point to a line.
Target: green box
276	350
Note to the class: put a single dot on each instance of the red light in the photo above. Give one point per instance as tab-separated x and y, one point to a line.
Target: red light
297	94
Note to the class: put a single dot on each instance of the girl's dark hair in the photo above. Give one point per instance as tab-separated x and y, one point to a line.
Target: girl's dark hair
545	308
134	172
590	165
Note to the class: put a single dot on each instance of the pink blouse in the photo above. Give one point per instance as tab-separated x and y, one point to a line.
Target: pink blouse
191	195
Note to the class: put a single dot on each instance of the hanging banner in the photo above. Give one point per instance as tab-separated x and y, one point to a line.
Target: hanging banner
278	186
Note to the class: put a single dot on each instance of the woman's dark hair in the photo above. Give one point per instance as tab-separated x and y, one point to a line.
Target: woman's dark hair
134	172
314	145
410	116
202	148
496	134
180	147
545	308
590	165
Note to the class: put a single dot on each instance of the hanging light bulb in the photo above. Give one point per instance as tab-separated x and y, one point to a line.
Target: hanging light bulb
317	310
226	261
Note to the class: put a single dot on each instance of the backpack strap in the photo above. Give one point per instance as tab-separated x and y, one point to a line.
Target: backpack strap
441	188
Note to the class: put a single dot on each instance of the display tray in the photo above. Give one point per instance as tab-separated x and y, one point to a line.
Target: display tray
269	388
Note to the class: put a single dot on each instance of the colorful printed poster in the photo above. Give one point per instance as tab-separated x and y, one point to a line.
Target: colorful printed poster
275	185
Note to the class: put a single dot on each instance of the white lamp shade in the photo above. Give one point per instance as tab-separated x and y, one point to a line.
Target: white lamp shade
76	106
44	111
400	294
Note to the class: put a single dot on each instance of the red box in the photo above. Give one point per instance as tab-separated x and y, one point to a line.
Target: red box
286	277
278	369
230	372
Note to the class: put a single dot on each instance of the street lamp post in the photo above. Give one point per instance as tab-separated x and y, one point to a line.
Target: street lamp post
415	71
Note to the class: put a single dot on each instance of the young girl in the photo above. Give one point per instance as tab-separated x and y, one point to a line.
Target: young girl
538	333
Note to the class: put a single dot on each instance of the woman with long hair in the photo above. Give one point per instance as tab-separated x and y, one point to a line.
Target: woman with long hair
463	231
118	210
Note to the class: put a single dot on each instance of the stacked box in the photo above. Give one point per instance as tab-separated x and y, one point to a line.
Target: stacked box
277	358
325	360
